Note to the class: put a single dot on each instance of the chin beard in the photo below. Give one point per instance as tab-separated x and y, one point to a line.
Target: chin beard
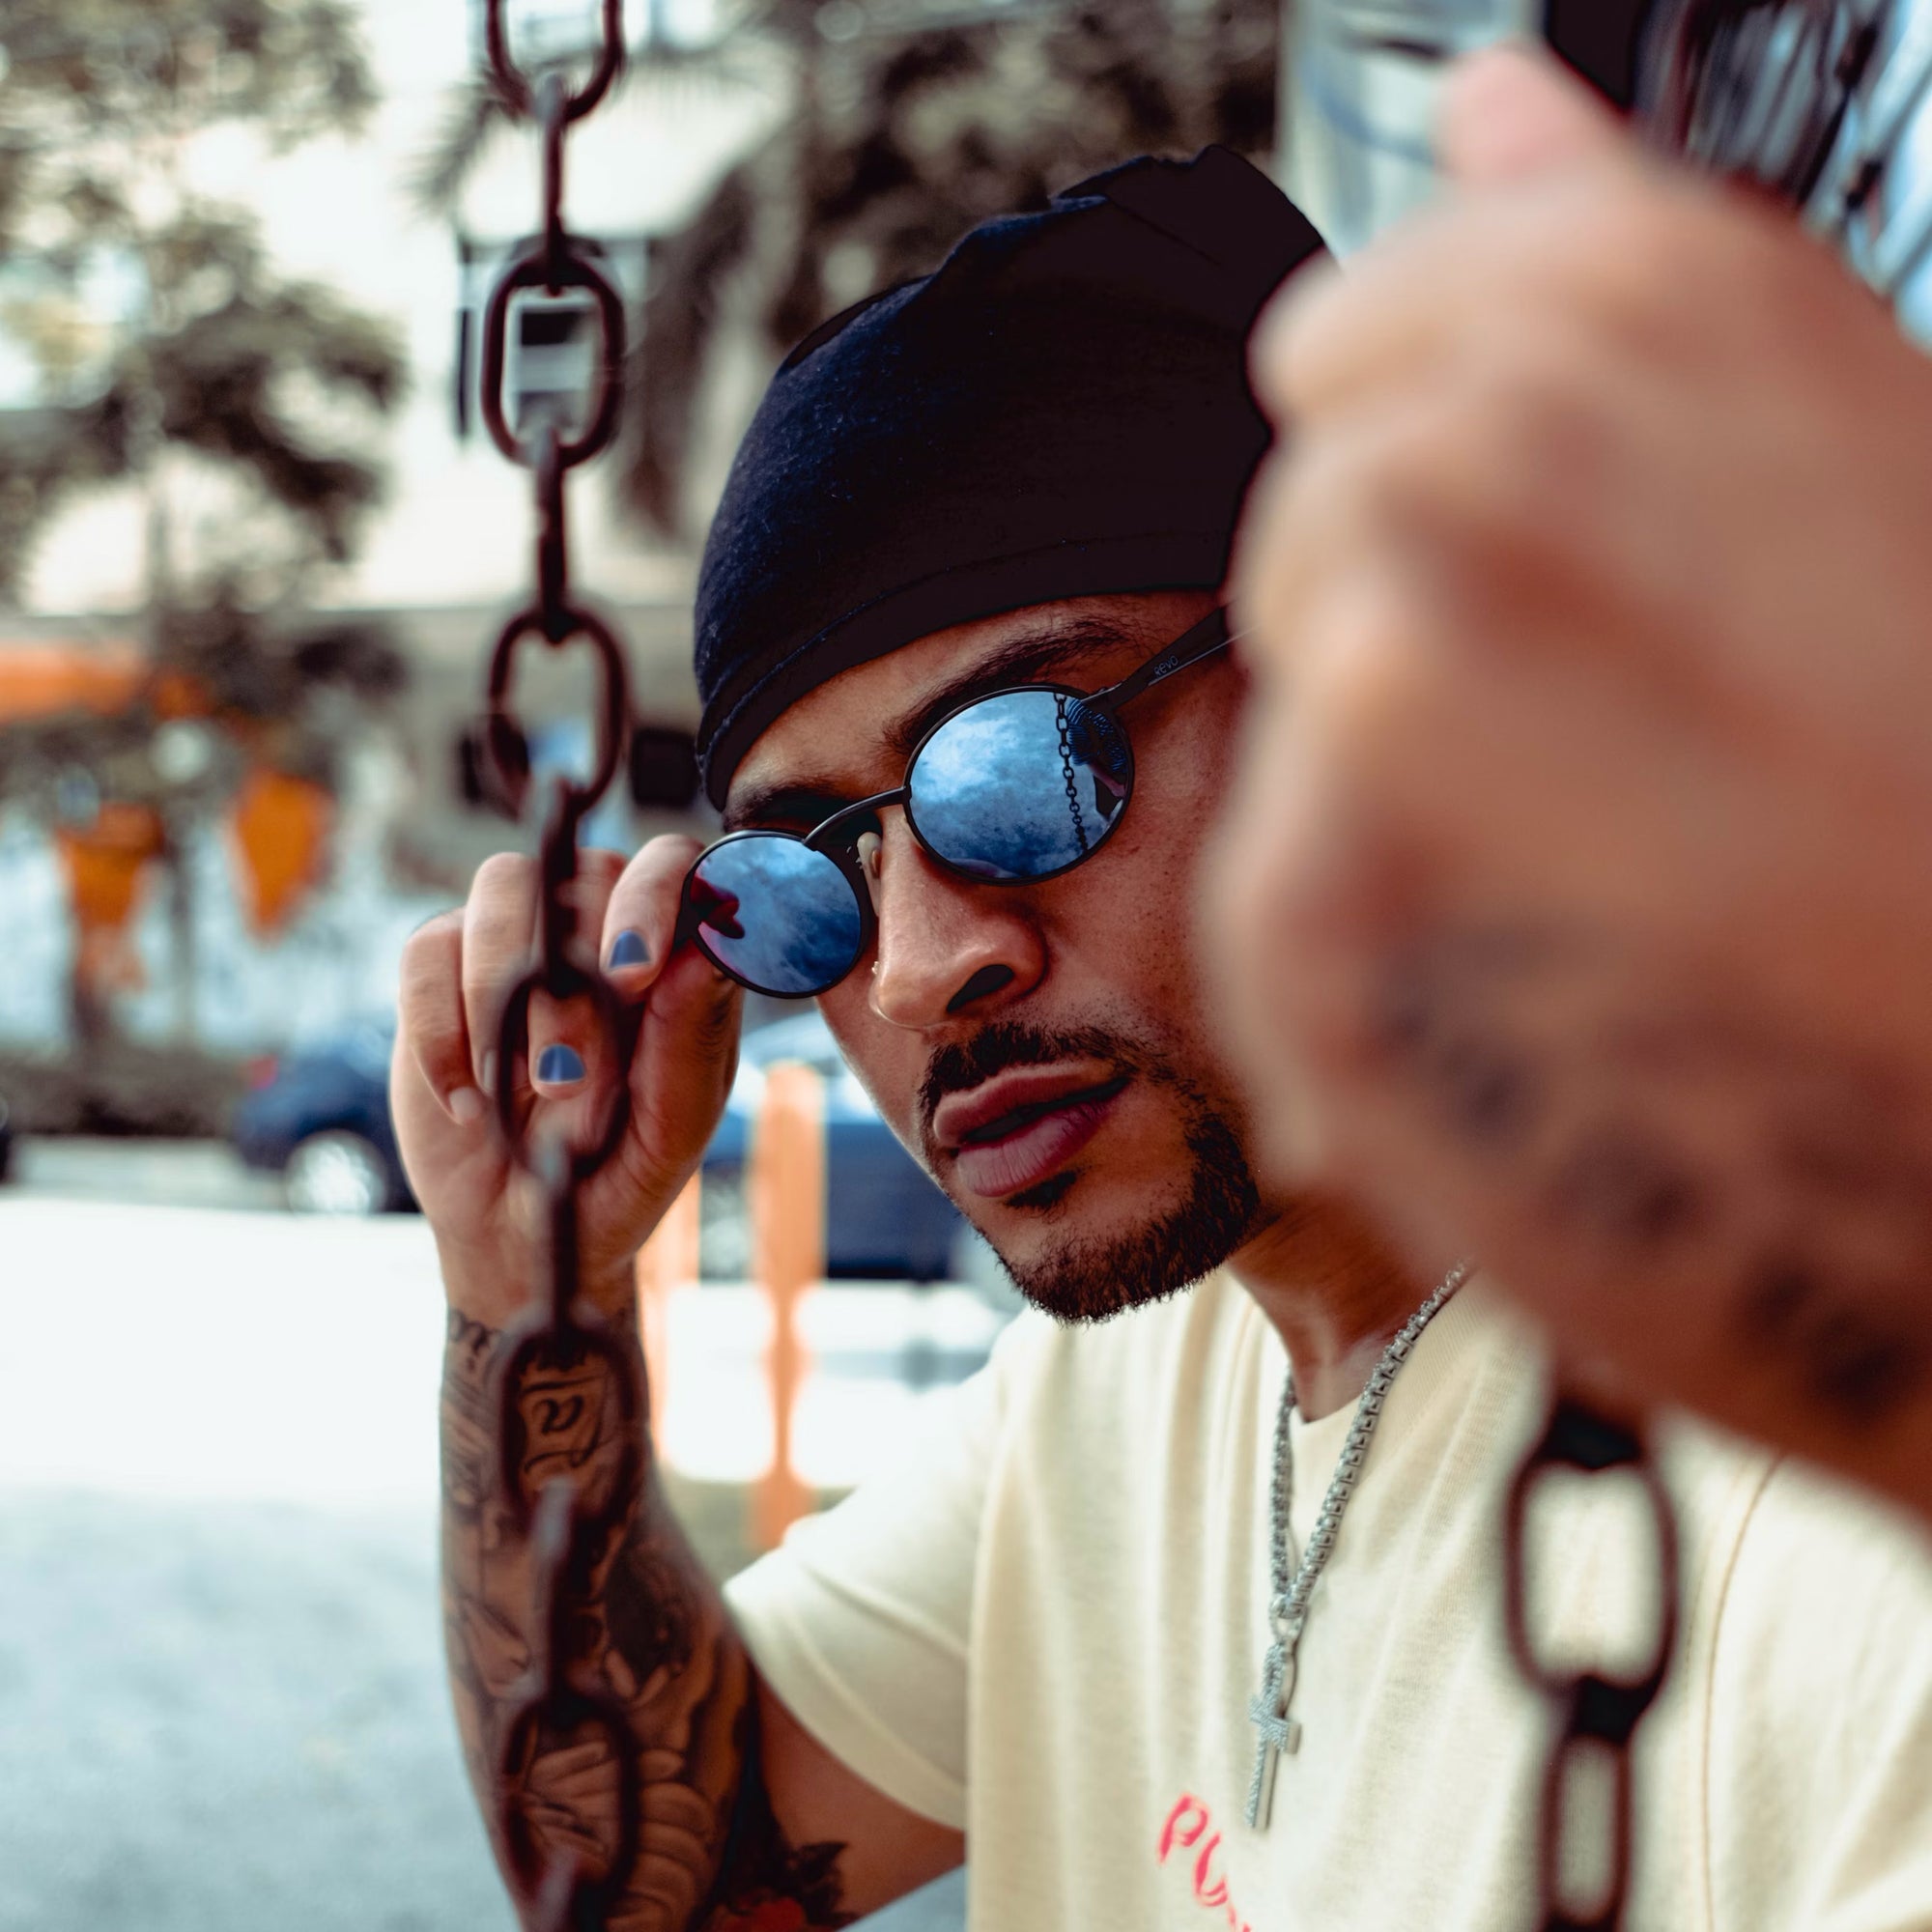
1092	1278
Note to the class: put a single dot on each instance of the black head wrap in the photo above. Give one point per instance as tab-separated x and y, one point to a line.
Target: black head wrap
1060	409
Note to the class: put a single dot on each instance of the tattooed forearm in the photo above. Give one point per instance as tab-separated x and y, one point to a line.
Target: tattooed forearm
646	1631
1686	1145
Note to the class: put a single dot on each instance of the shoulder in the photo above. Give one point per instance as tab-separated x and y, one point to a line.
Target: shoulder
1812	1610
1821	1568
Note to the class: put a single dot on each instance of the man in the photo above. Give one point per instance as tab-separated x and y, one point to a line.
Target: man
1590	612
971	718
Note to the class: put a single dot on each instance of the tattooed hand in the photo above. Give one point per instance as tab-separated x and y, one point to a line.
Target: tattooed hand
459	973
1577	906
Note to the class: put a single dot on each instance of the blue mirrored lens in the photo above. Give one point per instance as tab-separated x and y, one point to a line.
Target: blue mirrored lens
1020	785
780	916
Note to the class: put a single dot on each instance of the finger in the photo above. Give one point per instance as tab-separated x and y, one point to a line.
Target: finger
688	1042
1433	287
1395	314
499	931
1516	110
1356	500
570	1051
429	1011
640	916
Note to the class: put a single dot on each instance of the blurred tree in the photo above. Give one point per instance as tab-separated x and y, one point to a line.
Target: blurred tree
173	358
914	119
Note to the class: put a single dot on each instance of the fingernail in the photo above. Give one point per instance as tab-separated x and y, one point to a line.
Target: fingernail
560	1066
628	949
466	1106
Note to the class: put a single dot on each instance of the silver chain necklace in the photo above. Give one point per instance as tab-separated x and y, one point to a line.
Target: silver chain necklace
1288	1605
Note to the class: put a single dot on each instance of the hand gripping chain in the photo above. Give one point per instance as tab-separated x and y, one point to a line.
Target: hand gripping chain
1809	99
572	1518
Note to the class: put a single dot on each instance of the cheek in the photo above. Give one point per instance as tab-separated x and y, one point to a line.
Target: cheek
889	1060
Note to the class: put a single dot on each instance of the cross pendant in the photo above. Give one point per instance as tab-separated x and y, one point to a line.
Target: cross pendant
1267	1712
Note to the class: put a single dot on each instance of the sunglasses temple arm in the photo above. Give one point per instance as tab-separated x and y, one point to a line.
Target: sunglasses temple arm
878	801
1206	638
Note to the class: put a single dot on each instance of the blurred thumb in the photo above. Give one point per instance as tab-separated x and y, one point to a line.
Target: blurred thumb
1516	110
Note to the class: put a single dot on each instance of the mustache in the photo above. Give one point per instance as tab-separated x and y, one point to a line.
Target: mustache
1005	1044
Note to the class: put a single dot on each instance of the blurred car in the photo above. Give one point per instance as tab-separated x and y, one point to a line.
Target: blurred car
884	1218
6	1140
319	1116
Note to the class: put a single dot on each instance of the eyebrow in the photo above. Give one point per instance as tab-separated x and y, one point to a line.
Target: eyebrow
808	800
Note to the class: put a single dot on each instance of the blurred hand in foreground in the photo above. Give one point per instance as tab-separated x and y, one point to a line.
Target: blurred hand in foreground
678	1056
1577	905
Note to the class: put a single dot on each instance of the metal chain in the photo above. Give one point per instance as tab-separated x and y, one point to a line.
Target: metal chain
1596	1714
1067	772
1292	1587
571	1519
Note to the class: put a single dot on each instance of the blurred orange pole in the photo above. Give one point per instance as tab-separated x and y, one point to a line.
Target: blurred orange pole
664	1264
787	1202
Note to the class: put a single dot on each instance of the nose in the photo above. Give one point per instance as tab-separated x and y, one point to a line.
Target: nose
945	945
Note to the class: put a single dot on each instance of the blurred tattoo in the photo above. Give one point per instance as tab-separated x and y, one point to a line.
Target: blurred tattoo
1691	1137
649	1630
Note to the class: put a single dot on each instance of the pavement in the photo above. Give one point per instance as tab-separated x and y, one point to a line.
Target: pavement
221	1693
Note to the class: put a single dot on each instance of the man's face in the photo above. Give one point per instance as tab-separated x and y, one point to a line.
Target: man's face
1042	1047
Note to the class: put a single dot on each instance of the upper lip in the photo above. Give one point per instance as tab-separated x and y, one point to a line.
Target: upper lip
1007	1102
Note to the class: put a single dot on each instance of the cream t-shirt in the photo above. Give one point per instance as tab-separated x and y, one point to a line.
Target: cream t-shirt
1045	1623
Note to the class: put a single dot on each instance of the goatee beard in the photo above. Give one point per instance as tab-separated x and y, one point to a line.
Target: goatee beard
1091	1277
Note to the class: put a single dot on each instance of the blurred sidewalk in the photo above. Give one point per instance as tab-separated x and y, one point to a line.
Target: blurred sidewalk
172	1174
221	1696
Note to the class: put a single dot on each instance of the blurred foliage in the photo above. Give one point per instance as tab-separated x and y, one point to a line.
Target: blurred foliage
158	324
173	358
913	119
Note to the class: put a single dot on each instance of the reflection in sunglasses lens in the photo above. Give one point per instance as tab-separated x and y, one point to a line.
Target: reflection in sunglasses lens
1021	785
776	914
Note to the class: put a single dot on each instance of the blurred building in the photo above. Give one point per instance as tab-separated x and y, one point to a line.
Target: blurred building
451	552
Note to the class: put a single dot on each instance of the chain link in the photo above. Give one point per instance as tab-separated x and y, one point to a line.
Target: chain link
1596	1714
1067	772
570	1519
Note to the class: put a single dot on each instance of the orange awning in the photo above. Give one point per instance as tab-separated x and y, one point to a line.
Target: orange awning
41	679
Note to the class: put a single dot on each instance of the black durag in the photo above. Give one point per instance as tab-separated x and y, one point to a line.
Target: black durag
1060	409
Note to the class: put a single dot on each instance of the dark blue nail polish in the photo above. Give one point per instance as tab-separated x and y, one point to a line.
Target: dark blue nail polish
628	949
560	1066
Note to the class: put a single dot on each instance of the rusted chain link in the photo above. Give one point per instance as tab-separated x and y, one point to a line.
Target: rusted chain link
571	1519
1596	1714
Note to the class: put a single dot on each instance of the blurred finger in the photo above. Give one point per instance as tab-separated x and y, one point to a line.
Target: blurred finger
1393	315
498	934
1516	110
431	1018
589	894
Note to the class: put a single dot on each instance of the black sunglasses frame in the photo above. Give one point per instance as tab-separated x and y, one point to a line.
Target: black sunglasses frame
1195	646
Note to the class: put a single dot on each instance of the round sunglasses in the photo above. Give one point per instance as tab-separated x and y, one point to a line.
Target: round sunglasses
1011	790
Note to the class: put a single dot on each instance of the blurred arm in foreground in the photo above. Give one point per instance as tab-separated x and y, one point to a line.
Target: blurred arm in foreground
1578	903
744	1820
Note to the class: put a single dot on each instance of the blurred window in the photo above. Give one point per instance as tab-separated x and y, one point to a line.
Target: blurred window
552	339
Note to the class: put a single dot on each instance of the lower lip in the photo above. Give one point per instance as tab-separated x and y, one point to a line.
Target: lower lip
996	1168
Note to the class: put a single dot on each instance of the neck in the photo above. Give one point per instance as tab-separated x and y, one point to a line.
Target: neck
1336	1292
